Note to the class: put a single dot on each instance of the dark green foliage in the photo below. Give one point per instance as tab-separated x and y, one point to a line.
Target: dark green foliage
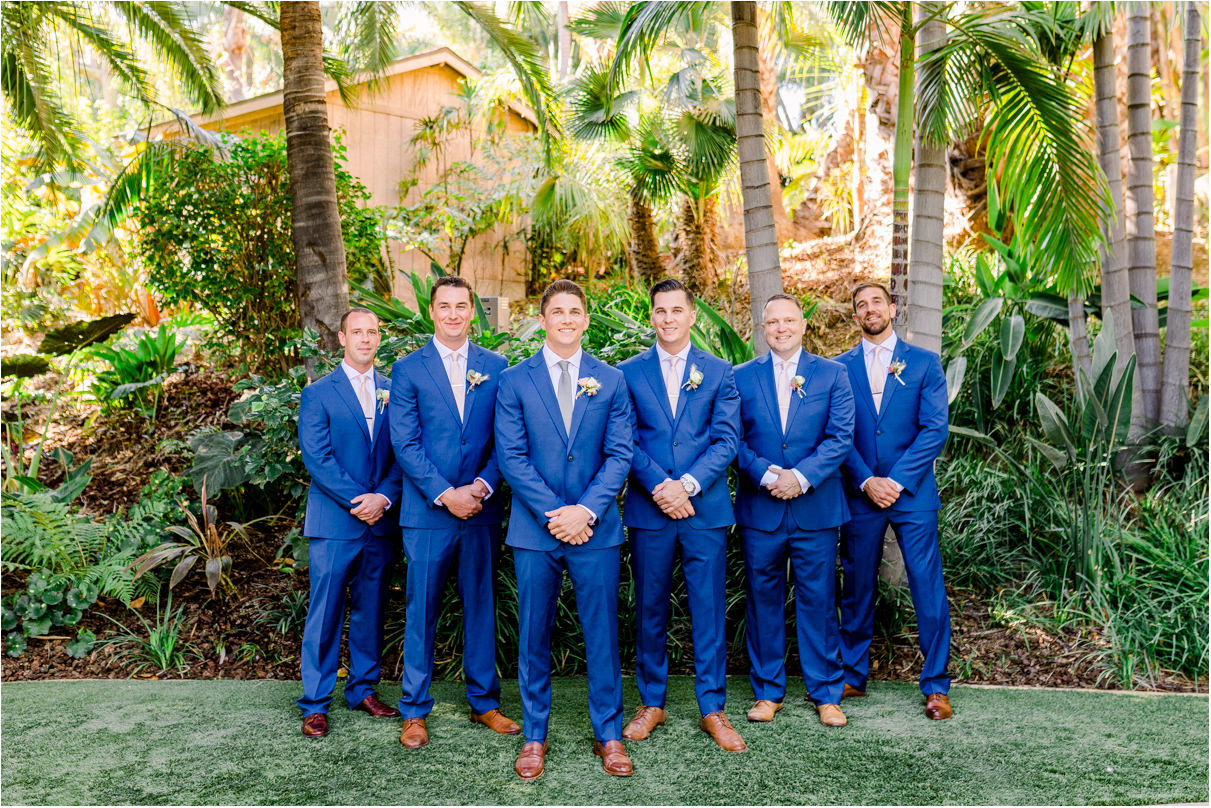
25	366
289	615
60	341
135	375
161	647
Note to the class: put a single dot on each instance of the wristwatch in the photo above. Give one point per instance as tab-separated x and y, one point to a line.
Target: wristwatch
689	486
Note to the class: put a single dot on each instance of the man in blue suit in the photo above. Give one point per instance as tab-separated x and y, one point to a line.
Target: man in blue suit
443	400
686	424
797	416
900	428
350	523
563	441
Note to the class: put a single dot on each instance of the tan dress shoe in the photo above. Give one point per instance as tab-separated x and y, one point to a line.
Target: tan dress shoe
496	721
831	715
614	758
851	692
414	735
937	706
763	711
531	762
645	721
721	730
315	725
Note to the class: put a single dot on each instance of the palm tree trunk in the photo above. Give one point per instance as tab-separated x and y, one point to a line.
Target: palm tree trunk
1174	387
1141	238
760	239
316	223
769	109
645	256
1116	291
901	167
1078	335
928	210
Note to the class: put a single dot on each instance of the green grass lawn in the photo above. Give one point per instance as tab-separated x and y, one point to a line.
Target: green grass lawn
238	742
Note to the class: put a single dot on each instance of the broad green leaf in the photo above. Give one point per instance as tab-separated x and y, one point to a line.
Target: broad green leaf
982	317
60	341
1057	458
955	371
1002	374
25	366
1198	425
1013	329
1048	305
1055	424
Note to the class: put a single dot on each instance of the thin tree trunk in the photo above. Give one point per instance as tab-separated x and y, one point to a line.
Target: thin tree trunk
316	223
769	110
1141	238
928	211
901	168
565	40
1116	291
1078	335
1175	386
760	238
645	255
858	176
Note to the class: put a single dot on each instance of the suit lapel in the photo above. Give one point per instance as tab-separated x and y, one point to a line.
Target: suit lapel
344	389
381	382
540	377
685	392
475	362
768	386
891	385
437	369
806	368
580	403
861	383
651	371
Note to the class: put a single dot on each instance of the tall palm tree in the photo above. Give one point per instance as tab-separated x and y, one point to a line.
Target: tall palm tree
1174	411
1141	238
33	35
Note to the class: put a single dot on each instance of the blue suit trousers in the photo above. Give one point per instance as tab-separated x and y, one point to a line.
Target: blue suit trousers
704	563
430	554
594	575
362	569
861	552
813	557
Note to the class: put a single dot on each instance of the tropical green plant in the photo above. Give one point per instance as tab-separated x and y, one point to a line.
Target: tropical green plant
289	616
160	647
135	375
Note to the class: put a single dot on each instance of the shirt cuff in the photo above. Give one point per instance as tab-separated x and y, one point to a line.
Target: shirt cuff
896	484
491	490
769	477
804	485
695	489
592	516
862	487
438	499
388	505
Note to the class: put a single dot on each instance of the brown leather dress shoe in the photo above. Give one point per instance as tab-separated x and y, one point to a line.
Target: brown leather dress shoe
831	715
721	730
496	721
763	711
414	735
937	706
614	758
315	725
376	708
530	763
851	692
645	721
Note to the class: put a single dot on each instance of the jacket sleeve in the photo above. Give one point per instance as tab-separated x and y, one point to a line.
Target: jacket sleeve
724	432
649	473
838	441
617	448
932	428
391	486
513	454
315	443
403	412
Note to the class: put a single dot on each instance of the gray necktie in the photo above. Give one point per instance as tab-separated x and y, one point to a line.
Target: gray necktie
564	393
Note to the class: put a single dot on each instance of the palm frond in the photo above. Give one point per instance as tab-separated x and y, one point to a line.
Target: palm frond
570	204
600	20
653	160
710	149
644	27
861	23
368	31
78	20
179	45
595	112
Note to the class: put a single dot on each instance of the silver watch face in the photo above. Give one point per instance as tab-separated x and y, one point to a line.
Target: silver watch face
689	489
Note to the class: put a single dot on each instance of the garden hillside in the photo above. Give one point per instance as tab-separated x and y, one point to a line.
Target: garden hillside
1029	180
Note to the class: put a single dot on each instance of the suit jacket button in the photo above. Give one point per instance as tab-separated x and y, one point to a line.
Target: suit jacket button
668	471
569	458
674	443
464	443
878	431
784	446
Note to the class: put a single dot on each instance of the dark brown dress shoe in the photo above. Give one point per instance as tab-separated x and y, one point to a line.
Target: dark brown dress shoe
496	721
645	721
376	708
937	706
315	725
851	692
530	763
718	727
414	735
614	758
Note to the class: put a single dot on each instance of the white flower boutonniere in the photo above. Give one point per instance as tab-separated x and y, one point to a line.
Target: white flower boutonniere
475	378
896	368
384	396
695	379
797	385
588	386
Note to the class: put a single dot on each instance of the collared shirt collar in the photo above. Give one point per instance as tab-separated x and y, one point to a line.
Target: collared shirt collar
553	359
890	344
444	352
354	376
793	362
683	354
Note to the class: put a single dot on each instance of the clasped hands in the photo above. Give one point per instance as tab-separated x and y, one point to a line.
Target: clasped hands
786	486
570	524
882	491
672	498
369	507
466	500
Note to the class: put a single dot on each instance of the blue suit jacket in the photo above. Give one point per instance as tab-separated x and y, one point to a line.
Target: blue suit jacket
547	468
700	439
819	435
904	438
344	459
434	448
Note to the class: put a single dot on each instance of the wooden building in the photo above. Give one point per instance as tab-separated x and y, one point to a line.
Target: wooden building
376	132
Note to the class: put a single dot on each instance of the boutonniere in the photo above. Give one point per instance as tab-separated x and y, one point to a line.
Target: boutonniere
384	396
588	386
797	385
896	368
475	378
694	379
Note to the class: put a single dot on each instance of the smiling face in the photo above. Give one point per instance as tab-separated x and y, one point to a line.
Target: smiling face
452	312
784	327
672	317
565	320
360	338
874	313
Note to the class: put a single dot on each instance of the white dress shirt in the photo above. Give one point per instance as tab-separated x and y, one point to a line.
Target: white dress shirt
553	359
463	351
687	480
792	365
356	379
868	351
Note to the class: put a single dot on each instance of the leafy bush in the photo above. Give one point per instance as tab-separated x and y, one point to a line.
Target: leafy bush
135	375
161	647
